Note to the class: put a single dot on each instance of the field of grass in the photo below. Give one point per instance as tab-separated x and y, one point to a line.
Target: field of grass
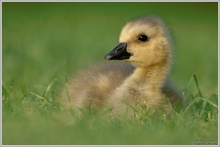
45	42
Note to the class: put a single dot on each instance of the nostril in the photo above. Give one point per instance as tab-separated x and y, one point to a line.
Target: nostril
118	50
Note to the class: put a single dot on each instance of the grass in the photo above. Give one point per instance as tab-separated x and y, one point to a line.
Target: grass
43	48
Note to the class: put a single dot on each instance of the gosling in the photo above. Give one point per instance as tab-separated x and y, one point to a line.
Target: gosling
145	45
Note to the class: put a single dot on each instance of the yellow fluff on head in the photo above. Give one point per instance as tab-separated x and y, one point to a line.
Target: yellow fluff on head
145	46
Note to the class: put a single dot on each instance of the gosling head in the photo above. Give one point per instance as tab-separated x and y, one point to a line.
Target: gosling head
143	42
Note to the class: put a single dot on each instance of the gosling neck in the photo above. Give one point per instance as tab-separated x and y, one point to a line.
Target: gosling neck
153	75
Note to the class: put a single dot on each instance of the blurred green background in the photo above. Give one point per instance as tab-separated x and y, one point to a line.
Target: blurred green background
45	41
42	41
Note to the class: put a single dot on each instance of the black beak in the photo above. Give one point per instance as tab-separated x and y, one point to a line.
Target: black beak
118	53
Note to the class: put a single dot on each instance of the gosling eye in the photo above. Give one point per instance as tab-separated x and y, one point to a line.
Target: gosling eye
143	38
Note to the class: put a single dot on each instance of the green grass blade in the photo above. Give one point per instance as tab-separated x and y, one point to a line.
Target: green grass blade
67	90
48	88
38	96
187	108
188	84
197	85
129	105
208	101
4	89
203	107
193	78
90	106
174	110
